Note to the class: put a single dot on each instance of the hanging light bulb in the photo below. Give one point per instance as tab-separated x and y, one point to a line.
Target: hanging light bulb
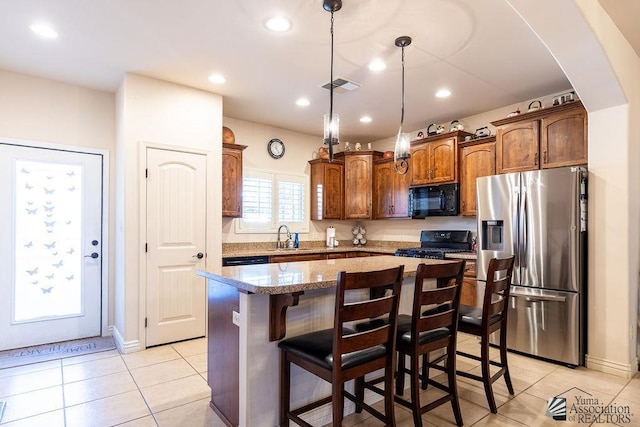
401	150
331	120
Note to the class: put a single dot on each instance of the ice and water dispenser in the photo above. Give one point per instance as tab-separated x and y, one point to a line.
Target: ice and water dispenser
492	235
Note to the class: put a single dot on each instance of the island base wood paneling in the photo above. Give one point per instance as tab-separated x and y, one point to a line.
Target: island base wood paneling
223	351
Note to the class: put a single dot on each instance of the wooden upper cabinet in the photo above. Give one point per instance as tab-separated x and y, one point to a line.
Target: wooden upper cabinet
443	161
434	160
358	183
327	189
476	159
545	138
563	139
390	191
232	180
517	147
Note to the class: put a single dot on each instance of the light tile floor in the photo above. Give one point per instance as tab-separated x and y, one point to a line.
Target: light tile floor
166	386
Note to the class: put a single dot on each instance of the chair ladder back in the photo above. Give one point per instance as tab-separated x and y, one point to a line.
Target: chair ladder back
366	309
442	319
386	305
496	295
367	339
443	273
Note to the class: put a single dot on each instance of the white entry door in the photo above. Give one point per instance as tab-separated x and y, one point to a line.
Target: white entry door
50	245
176	226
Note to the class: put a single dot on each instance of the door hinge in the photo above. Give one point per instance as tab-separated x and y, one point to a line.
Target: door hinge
146	247
146	173
145	322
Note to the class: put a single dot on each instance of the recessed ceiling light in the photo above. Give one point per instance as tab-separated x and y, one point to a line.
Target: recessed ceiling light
278	24
443	93
302	102
377	65
44	30
217	78
365	119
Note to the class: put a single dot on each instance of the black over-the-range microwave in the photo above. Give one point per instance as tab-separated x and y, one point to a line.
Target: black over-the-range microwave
434	200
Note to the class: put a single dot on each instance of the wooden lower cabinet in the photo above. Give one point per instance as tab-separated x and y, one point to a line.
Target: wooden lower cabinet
358	254
337	255
468	294
296	258
469	291
476	159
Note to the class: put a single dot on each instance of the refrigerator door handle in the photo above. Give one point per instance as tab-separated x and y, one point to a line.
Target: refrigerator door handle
514	231
535	298
523	231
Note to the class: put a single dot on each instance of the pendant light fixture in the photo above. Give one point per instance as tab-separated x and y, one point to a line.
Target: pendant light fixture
401	150
331	120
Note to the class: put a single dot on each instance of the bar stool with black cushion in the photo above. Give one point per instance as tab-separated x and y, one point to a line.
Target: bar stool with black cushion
485	320
434	321
341	354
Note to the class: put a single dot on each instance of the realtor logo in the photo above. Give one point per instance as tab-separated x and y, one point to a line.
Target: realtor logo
557	408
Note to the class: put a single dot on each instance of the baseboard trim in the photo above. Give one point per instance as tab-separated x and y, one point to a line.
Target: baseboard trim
124	346
610	367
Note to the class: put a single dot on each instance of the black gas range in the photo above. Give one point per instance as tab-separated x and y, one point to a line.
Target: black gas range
435	244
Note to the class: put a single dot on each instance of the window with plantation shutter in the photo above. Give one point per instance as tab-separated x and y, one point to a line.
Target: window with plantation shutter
270	199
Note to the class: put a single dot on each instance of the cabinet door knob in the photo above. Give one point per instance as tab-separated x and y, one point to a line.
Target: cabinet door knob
535	159
544	156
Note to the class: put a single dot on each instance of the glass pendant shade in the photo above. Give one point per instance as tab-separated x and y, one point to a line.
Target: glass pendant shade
401	150
331	129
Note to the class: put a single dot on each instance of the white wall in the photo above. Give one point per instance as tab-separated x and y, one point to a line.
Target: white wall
45	111
154	112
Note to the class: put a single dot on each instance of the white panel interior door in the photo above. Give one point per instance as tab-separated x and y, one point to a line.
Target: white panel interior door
176	212
50	245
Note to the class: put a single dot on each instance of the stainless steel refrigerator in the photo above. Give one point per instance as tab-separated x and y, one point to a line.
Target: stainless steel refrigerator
540	217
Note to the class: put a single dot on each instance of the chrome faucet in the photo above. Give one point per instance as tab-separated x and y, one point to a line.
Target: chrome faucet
279	243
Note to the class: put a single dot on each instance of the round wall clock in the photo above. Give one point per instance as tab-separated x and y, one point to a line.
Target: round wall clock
275	147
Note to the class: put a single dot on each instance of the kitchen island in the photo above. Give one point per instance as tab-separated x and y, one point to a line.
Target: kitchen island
251	307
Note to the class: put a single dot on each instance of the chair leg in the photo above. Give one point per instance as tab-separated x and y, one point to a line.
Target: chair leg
285	390
400	374
415	390
425	370
486	373
503	360
337	403
388	395
359	392
453	385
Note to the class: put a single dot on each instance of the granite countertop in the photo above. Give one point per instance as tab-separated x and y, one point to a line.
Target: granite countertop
261	250
283	278
379	247
462	255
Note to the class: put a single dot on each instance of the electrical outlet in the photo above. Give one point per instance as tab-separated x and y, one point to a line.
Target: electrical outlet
236	318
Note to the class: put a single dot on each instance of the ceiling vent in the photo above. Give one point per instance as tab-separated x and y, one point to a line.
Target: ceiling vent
341	85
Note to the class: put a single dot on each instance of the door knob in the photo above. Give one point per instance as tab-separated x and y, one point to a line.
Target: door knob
94	255
199	255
